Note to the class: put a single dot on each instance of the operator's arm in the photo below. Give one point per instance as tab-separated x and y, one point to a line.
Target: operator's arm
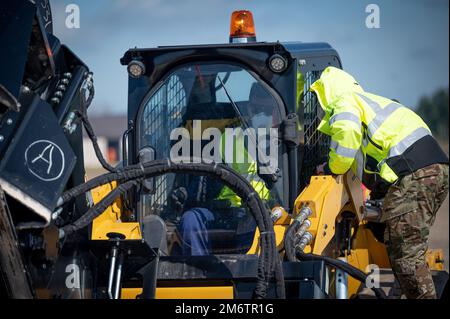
346	136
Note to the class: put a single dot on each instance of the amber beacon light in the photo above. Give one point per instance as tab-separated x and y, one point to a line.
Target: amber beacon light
242	27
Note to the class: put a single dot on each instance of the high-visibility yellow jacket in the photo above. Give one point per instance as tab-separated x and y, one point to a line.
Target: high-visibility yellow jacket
369	133
244	165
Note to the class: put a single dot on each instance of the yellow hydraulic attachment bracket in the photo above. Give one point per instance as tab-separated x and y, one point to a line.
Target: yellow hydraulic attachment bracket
279	227
110	220
435	259
328	197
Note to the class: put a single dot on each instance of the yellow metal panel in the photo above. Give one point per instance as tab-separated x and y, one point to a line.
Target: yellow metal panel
325	195
279	237
335	199
221	292
109	221
366	250
435	259
280	227
285	219
314	193
129	230
365	240
358	258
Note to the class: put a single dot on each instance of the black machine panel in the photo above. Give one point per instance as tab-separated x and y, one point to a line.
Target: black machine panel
38	162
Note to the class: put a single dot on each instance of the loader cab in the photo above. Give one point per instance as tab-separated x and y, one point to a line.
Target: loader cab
191	94
182	101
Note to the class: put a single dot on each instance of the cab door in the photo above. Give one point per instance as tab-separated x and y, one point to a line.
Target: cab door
183	117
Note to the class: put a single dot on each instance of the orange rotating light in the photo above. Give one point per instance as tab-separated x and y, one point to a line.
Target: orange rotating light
242	27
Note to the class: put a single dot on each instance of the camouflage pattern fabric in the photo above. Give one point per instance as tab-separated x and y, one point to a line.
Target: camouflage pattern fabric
410	208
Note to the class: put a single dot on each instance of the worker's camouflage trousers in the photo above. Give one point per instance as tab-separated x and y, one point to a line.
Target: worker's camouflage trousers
410	208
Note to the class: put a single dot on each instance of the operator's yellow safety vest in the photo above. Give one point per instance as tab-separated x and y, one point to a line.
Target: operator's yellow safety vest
299	96
248	169
364	126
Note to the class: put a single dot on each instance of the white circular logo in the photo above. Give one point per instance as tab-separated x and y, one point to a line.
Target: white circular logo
45	160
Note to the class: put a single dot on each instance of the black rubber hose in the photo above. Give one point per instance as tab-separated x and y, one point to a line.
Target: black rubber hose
120	175
138	171
349	269
98	209
98	152
269	261
289	236
82	114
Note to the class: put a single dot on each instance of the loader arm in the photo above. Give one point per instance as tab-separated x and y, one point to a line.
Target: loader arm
332	199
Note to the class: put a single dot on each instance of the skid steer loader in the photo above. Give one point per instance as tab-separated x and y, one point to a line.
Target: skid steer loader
155	227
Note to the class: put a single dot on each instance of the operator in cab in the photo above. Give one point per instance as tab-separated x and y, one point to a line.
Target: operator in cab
393	152
203	198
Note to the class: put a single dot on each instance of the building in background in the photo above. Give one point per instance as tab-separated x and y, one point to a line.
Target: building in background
109	130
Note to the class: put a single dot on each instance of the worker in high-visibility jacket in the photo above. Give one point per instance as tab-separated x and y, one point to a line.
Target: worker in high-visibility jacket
196	220
258	114
394	153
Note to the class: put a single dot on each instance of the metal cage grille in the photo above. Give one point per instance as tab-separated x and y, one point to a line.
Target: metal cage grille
162	114
316	144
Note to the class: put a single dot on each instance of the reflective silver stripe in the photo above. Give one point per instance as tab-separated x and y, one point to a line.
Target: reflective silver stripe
374	105
365	141
343	151
359	164
408	141
346	116
382	116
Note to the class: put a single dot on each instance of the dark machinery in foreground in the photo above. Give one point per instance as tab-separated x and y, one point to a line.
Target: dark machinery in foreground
121	235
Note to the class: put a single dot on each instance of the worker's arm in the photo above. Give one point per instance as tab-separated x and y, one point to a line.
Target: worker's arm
346	136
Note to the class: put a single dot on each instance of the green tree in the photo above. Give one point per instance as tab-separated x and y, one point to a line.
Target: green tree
434	111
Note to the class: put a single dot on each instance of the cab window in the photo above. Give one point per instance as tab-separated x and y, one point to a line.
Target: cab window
202	215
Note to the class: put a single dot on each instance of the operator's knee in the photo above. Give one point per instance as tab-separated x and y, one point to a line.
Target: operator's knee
196	219
194	233
190	221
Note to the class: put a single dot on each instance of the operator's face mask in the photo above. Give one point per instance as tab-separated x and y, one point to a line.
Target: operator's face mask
261	120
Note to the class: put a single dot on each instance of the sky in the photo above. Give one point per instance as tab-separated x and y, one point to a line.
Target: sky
406	58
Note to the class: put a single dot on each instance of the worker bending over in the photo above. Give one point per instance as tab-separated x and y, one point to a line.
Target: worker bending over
392	151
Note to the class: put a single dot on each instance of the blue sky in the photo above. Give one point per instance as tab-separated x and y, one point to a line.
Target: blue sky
406	58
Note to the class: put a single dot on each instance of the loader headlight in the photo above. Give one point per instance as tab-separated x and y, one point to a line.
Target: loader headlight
277	63
136	69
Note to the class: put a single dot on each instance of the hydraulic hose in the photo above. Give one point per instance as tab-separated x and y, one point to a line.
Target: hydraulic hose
351	270
269	262
299	223
98	209
82	114
289	236
120	175
93	138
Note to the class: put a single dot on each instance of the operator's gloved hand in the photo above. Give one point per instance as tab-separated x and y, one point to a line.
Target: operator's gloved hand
179	196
